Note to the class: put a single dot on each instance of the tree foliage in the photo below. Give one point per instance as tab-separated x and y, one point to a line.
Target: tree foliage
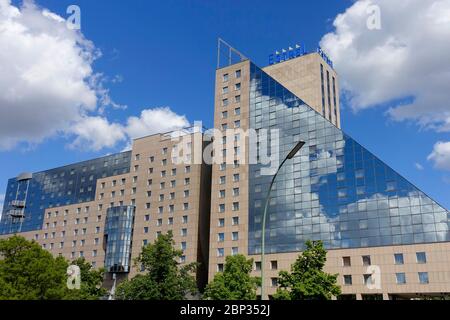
28	272
235	282
91	282
307	280
163	277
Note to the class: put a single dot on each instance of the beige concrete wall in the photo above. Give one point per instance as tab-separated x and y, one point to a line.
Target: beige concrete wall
242	170
302	76
437	266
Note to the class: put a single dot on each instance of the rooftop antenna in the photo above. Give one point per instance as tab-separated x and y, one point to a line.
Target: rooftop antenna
229	50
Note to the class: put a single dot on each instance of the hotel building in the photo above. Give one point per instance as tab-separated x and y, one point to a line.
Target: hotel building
385	238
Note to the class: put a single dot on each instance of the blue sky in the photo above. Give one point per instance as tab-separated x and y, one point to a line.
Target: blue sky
164	52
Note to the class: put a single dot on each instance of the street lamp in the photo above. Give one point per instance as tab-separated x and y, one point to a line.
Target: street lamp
291	154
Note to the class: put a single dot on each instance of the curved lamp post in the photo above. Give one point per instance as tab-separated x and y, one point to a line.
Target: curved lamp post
291	154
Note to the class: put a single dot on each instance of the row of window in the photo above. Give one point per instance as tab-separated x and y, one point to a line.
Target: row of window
223	179
421	258
221	222
82	243
400	278
183	233
184	219
237	75
76	232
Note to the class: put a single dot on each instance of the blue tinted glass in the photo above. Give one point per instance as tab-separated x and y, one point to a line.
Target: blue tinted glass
334	189
118	234
62	186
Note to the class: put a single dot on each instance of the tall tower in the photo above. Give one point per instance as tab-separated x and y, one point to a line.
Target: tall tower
313	80
334	190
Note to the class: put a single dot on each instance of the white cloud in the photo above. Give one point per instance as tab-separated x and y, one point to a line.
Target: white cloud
96	133
418	166
407	57
441	155
48	86
46	76
153	121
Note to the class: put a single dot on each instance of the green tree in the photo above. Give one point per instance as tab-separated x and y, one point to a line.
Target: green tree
235	282
91	282
28	272
163	277
307	280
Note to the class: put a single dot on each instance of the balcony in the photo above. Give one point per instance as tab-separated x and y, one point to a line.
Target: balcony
16	213
18	203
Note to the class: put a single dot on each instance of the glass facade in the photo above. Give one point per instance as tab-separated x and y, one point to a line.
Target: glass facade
75	183
118	235
334	189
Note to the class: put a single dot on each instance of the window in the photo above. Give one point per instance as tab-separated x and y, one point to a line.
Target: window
421	257
221	207
274	265
274	282
184	219
347	280
174	172
423	277
366	260
222	180
346	261
183	246
400	278
237	124
234	251
220	267
236	177
220	252
187	169
221	237
170	221
225	77
164	151
359	174
224	102
187	181
185	206
235	192
145	229
368	279
222	194
164	162
237	86
186	193
235	236
235	206
398	258
235	221
238	74
159	222
184	232
163	173
237	111
224	90
237	99
151	159
147	217
172	195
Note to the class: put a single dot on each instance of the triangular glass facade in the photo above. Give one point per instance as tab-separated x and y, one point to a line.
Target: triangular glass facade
334	190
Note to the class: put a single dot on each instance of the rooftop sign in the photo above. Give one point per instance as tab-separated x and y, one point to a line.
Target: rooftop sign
297	51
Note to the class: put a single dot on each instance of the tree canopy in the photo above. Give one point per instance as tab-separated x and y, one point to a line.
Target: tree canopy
235	282
163	278
307	280
28	272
